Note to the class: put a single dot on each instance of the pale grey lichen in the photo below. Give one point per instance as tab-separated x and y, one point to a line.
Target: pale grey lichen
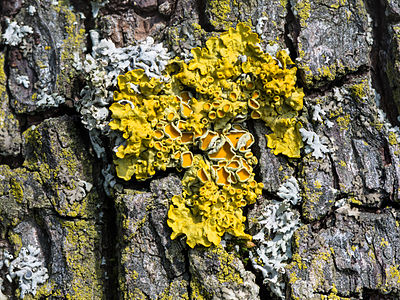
328	123
260	26
45	99
15	33
102	68
77	193
272	49
31	10
23	80
313	143
318	116
369	38
279	221
318	113
28	267
290	191
109	180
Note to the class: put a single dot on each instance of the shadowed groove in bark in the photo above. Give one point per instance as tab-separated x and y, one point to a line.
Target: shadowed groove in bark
255	148
337	82
203	20
292	30
89	21
372	295
110	248
187	269
380	57
13	162
264	293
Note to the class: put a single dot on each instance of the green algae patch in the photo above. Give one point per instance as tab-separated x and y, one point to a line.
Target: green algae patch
83	259
218	11
226	273
19	191
15	239
304	11
71	49
170	293
16	190
65	167
197	292
3	78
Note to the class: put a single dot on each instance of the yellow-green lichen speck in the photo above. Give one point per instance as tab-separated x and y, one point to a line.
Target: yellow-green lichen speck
200	105
16	190
220	10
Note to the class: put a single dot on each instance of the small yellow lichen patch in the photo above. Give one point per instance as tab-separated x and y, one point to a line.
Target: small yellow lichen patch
16	190
343	122
359	91
338	4
219	10
303	9
317	184
333	295
16	240
227	272
393	139
355	201
393	273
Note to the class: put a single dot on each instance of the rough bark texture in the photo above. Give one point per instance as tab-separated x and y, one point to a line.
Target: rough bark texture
103	238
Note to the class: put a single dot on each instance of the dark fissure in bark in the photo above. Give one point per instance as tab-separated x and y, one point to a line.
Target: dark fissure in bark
382	56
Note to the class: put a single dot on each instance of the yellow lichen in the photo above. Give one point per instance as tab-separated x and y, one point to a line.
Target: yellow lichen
3	79
343	122
317	184
393	139
393	274
16	240
303	9
197	291
333	295
16	190
205	211
355	201
339	3
81	238
219	10
359	91
201	104
227	272
168	293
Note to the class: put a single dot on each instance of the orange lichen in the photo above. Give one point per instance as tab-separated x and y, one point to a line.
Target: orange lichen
187	159
225	152
206	140
172	132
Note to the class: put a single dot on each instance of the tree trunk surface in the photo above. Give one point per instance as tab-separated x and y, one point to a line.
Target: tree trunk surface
326	225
